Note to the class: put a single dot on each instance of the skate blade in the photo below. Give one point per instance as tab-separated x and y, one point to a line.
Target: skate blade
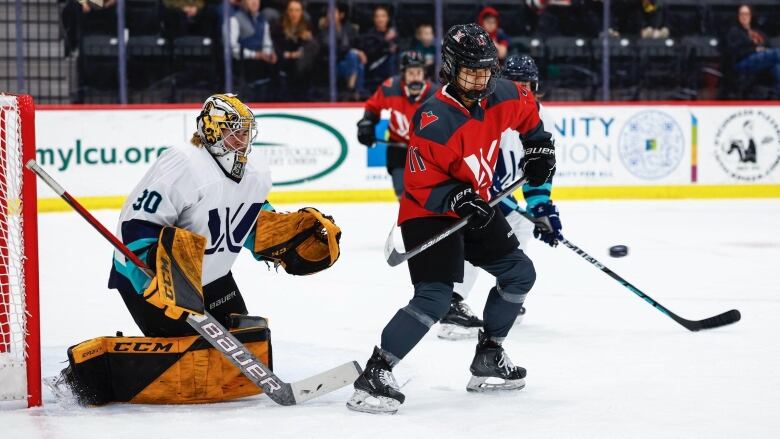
62	394
362	401
448	331
481	384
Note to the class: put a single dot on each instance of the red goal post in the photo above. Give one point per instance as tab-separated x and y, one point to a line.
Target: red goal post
20	347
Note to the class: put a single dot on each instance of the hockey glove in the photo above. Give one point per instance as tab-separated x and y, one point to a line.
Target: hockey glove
538	163
302	242
547	223
366	133
464	201
177	286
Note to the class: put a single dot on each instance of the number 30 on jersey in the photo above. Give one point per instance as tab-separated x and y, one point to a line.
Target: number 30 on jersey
149	201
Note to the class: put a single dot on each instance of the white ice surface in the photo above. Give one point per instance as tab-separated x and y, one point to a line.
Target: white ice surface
601	362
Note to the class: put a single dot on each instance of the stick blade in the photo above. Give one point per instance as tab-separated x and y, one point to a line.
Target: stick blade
326	382
726	318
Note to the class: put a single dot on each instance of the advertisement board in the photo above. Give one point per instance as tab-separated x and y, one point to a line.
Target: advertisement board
101	152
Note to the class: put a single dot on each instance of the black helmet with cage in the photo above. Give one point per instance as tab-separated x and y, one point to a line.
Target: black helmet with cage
468	46
522	68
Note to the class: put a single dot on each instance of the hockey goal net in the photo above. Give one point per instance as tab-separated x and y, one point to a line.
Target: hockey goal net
20	365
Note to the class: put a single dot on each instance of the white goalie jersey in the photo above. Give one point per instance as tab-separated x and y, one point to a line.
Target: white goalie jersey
187	188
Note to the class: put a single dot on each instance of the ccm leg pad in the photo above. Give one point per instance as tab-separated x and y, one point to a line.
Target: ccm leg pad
161	370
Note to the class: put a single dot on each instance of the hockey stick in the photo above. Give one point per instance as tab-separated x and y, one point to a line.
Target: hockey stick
717	321
394	257
391	144
220	338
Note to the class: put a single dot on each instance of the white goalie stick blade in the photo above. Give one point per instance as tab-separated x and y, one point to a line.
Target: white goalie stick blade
448	331
493	384
326	382
279	391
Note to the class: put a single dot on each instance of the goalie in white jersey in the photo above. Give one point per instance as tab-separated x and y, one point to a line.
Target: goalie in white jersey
187	219
460	322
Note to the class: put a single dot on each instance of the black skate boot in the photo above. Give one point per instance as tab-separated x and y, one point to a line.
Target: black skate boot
376	390
492	363
459	323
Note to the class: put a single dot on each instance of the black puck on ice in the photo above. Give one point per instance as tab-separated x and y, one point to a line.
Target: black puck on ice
618	251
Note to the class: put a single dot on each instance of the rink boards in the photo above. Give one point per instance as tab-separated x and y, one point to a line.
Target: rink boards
634	151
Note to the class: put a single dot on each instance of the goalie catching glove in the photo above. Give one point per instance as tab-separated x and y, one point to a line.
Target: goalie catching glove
178	265
303	242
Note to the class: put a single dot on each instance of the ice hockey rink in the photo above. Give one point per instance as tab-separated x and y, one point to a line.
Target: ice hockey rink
601	362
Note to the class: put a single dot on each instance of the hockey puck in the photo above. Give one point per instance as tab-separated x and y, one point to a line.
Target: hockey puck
618	251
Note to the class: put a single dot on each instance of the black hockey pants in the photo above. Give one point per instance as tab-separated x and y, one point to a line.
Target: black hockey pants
515	276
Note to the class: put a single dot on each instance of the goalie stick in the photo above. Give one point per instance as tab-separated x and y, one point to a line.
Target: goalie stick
717	321
394	257
220	338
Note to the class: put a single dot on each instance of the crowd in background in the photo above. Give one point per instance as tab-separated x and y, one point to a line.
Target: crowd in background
282	43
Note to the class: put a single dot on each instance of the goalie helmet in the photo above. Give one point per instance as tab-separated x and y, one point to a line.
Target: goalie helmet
226	128
522	68
468	46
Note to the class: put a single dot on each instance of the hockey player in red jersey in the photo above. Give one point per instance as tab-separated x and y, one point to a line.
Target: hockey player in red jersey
402	95
450	164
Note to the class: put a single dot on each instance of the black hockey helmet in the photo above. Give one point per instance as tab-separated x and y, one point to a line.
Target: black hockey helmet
522	68
411	58
469	46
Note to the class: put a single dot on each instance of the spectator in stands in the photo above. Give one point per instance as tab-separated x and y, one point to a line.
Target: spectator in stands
652	15
749	50
488	19
380	44
81	19
351	60
189	18
296	50
250	37
423	44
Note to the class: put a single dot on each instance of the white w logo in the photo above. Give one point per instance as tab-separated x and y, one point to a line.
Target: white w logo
399	123
480	166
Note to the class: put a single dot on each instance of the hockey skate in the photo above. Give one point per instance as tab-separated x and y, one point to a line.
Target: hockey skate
376	390
61	389
459	323
492	370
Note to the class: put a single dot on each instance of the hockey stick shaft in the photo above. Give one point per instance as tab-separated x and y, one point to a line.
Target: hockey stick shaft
216	334
725	318
394	257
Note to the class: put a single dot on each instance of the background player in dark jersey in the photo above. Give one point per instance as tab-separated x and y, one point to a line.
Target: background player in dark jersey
460	322
450	165
402	95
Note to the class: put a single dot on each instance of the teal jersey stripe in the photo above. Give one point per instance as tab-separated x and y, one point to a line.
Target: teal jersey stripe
137	278
535	195
249	242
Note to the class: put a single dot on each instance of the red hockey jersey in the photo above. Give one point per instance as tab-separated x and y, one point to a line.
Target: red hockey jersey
451	145
392	95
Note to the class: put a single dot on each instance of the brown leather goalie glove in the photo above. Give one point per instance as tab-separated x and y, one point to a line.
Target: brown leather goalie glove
177	285
303	242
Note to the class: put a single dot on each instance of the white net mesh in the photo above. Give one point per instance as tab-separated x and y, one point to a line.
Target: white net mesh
12	292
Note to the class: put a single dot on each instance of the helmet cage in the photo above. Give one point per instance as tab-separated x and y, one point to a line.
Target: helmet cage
235	136
468	46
